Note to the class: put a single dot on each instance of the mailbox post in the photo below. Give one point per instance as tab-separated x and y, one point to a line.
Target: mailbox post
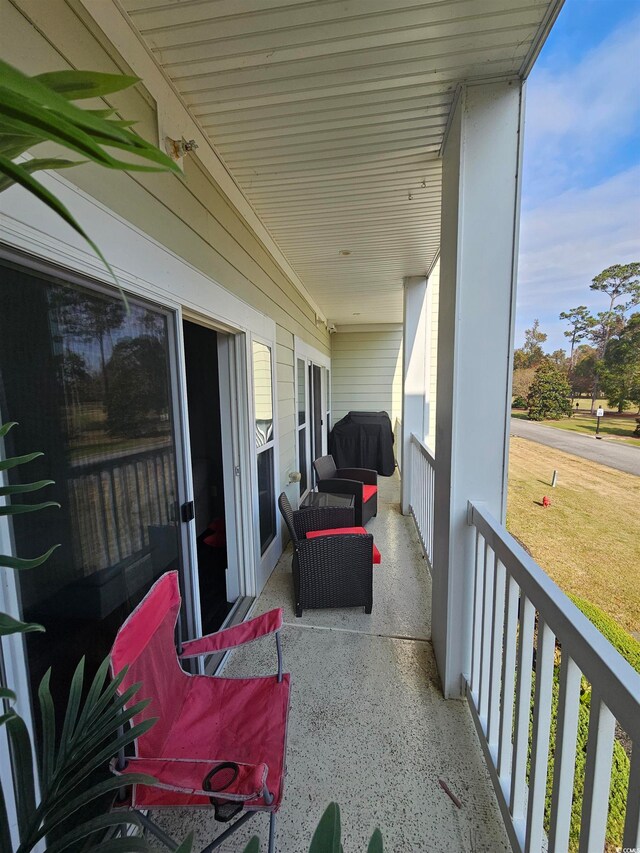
599	414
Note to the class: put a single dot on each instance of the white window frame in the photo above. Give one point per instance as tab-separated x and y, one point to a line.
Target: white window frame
265	563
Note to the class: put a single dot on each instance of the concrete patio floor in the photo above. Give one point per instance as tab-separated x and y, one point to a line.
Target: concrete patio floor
368	726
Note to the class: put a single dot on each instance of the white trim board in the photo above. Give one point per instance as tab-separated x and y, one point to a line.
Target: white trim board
302	349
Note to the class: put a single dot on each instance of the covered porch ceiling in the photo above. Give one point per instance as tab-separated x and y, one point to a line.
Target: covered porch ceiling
331	114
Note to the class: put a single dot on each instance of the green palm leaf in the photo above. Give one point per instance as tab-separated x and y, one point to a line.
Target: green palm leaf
34	90
39	165
37	109
90	737
76	85
19	563
5	834
23	772
27	116
29	183
90	827
25	487
4	428
14	461
69	807
20	509
71	715
9	625
48	737
95	690
376	845
326	838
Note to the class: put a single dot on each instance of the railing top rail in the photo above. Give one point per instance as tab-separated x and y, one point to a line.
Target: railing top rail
422	447
602	665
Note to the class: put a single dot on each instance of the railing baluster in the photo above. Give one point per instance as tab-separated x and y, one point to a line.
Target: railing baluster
597	775
421	497
631	837
495	664
523	707
564	754
509	643
540	737
478	590
485	637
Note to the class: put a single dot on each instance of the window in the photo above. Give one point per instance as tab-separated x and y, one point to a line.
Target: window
263	405
302	425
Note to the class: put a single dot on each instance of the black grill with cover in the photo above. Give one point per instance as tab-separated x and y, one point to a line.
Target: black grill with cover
364	440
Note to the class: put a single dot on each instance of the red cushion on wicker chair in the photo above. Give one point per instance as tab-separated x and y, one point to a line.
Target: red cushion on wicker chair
368	492
336	531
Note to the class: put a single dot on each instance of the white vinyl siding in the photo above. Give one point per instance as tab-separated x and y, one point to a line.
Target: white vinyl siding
366	372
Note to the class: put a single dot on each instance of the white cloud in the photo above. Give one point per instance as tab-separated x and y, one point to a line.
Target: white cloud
566	241
577	115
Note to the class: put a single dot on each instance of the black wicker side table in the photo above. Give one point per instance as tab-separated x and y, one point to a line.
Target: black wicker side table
323	511
314	499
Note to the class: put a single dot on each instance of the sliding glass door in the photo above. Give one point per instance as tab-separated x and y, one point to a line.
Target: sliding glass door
88	377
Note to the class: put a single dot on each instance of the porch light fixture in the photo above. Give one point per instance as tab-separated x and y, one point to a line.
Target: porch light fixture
177	148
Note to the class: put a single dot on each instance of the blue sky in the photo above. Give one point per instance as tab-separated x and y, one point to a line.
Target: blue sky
581	174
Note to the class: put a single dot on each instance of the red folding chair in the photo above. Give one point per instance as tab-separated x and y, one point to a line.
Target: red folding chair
217	741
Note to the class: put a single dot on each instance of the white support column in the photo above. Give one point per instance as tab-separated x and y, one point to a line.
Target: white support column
414	374
480	217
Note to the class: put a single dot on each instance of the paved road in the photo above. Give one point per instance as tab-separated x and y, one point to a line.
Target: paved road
624	457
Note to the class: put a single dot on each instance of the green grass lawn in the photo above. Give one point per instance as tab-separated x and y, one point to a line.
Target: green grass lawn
588	540
616	429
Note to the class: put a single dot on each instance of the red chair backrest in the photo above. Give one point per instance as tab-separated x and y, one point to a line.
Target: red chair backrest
146	645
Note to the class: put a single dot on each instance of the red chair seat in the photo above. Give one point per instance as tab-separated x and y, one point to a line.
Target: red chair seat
235	731
336	531
368	492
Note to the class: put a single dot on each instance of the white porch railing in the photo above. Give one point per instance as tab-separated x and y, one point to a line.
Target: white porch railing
397	443
422	497
521	622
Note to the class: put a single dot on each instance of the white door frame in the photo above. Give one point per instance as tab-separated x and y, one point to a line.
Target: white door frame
310	355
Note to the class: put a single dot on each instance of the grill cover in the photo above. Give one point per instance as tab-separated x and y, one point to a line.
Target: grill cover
364	440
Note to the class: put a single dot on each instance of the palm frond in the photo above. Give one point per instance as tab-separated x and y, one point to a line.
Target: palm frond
9	625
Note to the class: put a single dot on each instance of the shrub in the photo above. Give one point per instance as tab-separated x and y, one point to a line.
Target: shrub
519	403
548	397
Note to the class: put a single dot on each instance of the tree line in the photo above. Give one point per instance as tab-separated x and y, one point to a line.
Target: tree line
603	356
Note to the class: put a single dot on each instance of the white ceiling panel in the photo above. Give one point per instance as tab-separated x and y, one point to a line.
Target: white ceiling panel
330	115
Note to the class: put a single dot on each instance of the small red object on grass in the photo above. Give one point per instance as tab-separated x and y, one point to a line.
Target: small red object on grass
546	501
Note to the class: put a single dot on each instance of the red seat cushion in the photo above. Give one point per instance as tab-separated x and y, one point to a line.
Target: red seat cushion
336	531
368	492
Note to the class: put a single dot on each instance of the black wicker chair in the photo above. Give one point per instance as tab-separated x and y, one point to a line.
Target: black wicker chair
360	482
329	571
